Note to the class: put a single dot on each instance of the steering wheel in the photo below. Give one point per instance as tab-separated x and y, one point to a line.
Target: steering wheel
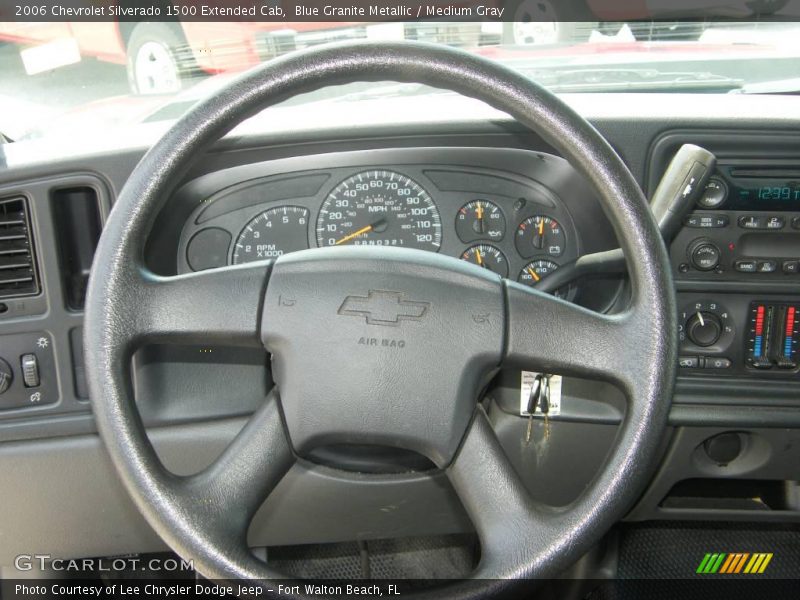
458	324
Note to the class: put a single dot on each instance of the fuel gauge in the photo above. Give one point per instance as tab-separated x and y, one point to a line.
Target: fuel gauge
488	257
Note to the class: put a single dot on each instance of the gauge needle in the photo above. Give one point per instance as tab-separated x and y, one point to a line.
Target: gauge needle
541	227
478	256
350	236
533	274
478	225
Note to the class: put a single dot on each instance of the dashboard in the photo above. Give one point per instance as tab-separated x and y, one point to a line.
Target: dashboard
513	221
482	190
513	212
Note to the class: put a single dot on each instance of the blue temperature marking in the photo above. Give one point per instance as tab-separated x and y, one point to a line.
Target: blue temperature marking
757	348
787	349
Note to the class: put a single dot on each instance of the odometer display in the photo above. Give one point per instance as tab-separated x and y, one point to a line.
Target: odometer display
379	208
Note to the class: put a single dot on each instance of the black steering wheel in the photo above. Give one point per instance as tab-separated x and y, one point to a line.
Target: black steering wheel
458	325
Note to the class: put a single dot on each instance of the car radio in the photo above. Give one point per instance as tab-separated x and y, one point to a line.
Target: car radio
746	226
758	188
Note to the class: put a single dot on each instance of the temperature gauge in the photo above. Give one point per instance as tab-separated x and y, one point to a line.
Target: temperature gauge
480	219
488	257
535	271
540	235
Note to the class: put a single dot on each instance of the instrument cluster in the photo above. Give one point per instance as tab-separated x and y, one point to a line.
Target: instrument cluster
511	223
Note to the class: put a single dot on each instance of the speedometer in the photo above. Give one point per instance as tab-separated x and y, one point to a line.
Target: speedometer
379	208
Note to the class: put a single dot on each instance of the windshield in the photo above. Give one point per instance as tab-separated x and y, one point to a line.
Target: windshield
77	79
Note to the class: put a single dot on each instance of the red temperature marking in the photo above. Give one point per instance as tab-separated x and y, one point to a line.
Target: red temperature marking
760	320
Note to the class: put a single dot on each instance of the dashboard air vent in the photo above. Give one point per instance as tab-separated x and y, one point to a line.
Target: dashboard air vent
18	275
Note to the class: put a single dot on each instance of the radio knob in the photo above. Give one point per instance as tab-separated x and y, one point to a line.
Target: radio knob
704	254
703	329
714	195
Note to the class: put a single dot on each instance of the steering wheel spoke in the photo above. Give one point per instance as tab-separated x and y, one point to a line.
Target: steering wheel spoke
228	492
550	335
218	306
507	520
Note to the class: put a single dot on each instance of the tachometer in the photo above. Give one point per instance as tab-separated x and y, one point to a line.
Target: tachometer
379	208
274	232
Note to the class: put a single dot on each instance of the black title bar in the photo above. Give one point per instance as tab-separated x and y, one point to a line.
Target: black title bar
395	10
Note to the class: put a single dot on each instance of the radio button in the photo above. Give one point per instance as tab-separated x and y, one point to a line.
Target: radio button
752	222
767	266
745	266
796	223
721	221
791	267
707	221
775	223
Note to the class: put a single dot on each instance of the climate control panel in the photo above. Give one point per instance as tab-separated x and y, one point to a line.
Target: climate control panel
739	335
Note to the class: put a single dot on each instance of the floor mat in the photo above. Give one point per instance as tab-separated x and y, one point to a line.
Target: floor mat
661	561
674	551
440	557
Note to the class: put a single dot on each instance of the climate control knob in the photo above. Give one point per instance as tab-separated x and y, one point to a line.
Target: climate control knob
704	329
704	254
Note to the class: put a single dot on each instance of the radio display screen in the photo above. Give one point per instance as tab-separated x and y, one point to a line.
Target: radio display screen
762	193
773	191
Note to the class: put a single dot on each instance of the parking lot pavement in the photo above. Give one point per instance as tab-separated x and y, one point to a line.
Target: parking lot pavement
28	100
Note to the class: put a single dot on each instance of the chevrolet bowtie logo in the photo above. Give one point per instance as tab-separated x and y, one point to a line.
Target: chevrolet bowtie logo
380	307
